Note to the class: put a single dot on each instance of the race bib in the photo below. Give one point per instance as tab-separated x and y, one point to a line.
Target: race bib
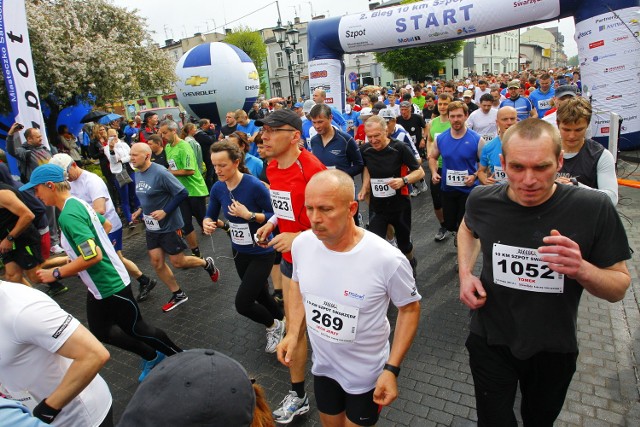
329	320
488	137
544	104
380	188
172	165
151	223
521	268
282	206
240	234
499	174
456	178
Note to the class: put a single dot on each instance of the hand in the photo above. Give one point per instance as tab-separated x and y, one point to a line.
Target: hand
45	275
562	255
14	128
422	144
263	234
386	390
396	183
491	179
136	214
435	178
286	348
239	210
6	246
282	242
472	293
158	215
362	194
564	180
209	226
470	180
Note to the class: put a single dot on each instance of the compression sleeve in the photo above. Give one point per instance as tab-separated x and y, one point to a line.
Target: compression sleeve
175	202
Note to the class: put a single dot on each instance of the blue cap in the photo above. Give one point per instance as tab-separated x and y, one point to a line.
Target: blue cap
43	174
297	105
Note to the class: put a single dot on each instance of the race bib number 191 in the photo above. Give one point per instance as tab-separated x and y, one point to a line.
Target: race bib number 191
521	268
329	320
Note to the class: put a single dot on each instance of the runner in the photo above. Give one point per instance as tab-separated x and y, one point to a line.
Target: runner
490	170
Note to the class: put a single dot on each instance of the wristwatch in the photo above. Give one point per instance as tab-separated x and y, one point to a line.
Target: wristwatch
252	218
393	369
56	273
405	180
10	238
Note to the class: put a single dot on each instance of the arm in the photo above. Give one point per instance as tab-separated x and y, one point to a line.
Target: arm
182	172
100	205
564	256
13	204
354	156
386	390
485	177
607	181
88	356
295	324
366	185
472	293
74	267
434	153
13	145
123	151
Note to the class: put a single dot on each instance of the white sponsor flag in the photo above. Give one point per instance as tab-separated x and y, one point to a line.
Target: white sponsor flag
17	66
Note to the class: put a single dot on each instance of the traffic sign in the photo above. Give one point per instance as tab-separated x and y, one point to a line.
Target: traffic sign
354	85
353	77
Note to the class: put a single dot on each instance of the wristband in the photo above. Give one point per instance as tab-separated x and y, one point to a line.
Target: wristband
45	412
393	369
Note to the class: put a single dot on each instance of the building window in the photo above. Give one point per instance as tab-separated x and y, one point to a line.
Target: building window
299	56
277	89
279	60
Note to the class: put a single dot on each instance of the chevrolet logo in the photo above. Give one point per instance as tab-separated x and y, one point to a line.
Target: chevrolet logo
196	80
253	75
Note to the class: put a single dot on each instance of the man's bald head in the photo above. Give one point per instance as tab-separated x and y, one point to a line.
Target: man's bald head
141	148
338	181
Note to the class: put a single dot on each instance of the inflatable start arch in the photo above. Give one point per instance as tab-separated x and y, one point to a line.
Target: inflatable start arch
606	33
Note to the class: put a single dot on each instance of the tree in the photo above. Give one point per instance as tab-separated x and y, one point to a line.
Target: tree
573	61
250	41
419	62
91	50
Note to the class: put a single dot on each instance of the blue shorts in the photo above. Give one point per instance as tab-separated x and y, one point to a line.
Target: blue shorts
116	239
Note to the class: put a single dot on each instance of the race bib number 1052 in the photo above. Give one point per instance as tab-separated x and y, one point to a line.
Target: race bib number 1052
521	268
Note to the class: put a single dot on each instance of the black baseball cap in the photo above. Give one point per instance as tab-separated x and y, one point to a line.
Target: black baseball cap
280	118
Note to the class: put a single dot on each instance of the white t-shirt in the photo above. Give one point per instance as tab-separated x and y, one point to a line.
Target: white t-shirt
484	124
478	93
346	296
89	187
32	328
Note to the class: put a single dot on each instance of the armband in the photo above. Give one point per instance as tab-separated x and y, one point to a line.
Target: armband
88	250
393	369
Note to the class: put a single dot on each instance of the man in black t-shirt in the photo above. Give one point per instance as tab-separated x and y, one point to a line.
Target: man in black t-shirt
539	254
230	127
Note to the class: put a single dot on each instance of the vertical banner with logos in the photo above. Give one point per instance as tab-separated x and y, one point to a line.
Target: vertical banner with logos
609	52
17	66
326	74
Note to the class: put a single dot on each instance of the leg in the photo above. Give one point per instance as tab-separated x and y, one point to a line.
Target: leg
331	401
297	368
495	381
131	267
13	273
124	202
181	260
449	209
378	224
162	269
254	271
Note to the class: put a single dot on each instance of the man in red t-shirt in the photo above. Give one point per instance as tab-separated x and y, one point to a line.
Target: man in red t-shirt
288	172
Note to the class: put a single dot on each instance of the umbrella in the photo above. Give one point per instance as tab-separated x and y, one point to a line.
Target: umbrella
93	116
105	120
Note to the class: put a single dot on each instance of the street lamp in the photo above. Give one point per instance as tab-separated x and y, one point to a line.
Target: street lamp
358	67
288	39
298	70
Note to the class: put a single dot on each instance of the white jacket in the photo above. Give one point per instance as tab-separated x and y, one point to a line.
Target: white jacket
121	150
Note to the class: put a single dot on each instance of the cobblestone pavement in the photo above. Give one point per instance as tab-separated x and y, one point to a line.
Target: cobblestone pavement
436	387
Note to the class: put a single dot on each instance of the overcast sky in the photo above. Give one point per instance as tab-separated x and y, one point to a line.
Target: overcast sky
176	19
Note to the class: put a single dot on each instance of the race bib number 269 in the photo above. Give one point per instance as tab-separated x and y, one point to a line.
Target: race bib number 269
331	321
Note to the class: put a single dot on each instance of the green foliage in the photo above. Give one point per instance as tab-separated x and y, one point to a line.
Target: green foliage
250	41
573	61
418	62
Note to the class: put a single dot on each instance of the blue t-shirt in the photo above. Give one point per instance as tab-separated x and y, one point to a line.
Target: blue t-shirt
542	101
522	105
490	155
254	164
341	152
353	121
156	188
254	195
250	129
339	119
458	155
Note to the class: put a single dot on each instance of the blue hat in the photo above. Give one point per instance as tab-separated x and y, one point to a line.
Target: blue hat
43	174
297	105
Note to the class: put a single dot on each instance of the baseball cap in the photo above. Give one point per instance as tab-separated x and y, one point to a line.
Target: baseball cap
460	89
467	93
280	118
405	104
308	105
351	99
471	86
387	113
297	105
63	160
514	83
565	90
149	114
193	388
43	174
366	111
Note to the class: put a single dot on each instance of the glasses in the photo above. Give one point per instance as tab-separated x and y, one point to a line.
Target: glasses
266	131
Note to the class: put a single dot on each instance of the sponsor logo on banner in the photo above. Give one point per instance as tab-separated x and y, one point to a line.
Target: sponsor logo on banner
353	34
439	33
623	81
318	74
609	98
604	129
601	57
466	30
408	39
583	34
614	69
606	18
620	38
598	87
196	80
525	2
596	44
610	26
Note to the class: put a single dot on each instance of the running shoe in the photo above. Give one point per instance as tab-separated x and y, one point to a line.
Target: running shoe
393	242
56	250
148	365
145	289
175	301
274	336
278	298
211	268
441	234
422	185
56	290
291	406
415	191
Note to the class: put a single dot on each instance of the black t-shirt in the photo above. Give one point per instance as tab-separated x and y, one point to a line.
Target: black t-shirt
228	130
472	107
160	159
413	125
429	113
526	321
394	161
8	220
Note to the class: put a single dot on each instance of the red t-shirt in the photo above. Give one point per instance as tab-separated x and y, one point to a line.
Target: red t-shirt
291	182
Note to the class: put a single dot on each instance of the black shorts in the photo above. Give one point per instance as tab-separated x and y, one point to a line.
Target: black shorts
331	399
435	193
286	268
171	242
401	221
27	254
193	207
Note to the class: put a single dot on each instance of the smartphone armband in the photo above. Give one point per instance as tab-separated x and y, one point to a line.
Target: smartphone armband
88	250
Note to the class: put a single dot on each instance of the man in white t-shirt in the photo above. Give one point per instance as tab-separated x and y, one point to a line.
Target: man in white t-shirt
482	89
483	120
355	369
49	361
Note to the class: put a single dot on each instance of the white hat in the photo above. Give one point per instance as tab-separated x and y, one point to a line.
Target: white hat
308	105
387	113
460	89
366	111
